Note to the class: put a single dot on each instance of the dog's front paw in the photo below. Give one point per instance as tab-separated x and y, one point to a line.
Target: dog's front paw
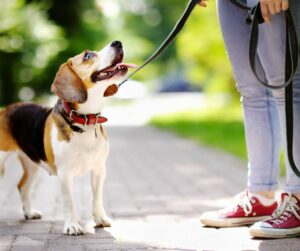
103	221
33	215
73	228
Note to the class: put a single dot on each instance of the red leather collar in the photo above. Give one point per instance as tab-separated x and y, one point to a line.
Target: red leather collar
83	119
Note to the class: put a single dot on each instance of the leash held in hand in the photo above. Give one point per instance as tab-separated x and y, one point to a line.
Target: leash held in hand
291	57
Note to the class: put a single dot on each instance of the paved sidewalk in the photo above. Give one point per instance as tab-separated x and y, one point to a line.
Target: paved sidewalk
156	188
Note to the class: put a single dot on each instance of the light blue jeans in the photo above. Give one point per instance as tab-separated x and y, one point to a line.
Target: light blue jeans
264	109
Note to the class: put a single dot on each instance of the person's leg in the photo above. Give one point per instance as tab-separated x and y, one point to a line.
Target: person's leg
293	181
261	128
275	32
286	219
260	114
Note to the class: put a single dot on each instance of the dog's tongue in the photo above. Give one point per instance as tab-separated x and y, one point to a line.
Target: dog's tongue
126	65
121	65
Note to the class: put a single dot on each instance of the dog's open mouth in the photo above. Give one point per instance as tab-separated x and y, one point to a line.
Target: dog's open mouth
111	71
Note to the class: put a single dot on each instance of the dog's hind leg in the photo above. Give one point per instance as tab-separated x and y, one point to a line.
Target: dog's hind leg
97	178
24	186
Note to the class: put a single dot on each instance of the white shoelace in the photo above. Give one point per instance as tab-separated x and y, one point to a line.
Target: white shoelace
243	200
246	203
287	208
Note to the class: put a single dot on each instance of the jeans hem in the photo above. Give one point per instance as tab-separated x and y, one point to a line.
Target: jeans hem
263	188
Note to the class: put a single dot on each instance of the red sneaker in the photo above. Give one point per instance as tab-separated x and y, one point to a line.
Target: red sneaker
285	221
245	210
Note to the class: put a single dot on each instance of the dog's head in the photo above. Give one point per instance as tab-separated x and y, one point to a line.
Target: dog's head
90	70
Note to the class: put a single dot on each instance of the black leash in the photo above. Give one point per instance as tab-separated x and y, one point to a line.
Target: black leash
177	28
291	61
291	47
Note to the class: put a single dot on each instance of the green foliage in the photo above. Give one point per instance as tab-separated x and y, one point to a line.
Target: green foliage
202	53
28	41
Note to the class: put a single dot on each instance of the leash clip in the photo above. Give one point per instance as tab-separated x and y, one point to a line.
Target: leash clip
249	17
254	14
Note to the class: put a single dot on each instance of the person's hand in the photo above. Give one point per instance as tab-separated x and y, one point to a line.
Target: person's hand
272	7
202	3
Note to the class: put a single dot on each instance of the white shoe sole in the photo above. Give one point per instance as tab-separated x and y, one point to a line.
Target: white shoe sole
232	222
272	233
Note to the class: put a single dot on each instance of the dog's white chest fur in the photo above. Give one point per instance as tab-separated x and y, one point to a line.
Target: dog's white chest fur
85	151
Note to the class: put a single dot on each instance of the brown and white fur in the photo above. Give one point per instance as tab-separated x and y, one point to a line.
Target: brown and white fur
41	136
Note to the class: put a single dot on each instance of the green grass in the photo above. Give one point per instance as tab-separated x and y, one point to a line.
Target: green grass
220	128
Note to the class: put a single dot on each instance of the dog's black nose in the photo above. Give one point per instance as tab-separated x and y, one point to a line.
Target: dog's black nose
116	44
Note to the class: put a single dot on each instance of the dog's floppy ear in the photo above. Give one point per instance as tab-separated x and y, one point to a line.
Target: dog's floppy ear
68	86
111	90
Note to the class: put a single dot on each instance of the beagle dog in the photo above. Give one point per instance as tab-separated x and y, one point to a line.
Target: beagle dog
68	139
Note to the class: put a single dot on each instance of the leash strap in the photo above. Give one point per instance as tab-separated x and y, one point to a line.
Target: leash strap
255	18
177	28
291	44
291	62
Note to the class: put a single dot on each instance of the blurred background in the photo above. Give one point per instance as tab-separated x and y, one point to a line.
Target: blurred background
189	89
39	35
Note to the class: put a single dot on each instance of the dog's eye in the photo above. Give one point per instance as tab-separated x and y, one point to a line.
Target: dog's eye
88	55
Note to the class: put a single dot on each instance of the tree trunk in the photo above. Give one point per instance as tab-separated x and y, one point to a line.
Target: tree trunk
7	80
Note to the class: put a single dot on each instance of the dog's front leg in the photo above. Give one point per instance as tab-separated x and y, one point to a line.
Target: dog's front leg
100	217
72	226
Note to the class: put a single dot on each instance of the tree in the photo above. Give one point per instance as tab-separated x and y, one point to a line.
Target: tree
28	41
